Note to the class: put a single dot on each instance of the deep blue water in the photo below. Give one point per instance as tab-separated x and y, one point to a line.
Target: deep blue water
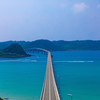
76	73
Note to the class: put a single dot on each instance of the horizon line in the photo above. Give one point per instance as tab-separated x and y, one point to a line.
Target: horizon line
48	40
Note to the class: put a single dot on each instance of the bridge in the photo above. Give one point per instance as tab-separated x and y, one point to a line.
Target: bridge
49	90
32	50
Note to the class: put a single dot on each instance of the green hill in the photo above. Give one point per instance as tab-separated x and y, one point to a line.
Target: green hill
8	43
56	45
45	44
3	45
14	50
78	45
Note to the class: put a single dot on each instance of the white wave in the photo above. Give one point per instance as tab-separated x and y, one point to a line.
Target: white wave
9	60
30	60
19	60
74	61
33	60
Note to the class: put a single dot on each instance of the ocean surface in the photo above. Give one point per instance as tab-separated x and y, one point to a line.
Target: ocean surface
76	73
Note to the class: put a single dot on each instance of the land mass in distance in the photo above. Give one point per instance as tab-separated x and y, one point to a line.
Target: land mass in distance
61	45
13	51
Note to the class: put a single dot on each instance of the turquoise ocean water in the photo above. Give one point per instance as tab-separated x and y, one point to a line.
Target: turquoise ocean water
76	73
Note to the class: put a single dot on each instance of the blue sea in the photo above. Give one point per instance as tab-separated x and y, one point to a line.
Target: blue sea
76	73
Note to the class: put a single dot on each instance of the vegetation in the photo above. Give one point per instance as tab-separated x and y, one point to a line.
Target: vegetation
1	98
14	50
78	45
3	45
8	43
56	45
45	44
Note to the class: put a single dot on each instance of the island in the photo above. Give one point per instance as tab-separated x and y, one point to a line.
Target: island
13	51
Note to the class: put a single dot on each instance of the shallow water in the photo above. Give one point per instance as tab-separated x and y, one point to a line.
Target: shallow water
22	79
79	75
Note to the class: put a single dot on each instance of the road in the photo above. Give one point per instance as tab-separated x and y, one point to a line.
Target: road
49	91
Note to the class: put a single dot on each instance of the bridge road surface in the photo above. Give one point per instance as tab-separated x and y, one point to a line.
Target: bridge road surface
49	91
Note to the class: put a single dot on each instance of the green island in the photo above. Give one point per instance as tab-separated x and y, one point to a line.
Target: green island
13	51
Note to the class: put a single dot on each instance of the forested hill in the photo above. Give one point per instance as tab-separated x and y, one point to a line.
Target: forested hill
78	45
13	51
56	45
8	43
45	44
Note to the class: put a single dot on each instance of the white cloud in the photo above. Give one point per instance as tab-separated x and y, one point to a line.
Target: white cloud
98	6
80	7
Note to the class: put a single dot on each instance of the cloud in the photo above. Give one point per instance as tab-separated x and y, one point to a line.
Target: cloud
63	5
98	6
80	7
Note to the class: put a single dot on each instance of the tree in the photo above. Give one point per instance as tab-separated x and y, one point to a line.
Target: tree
1	98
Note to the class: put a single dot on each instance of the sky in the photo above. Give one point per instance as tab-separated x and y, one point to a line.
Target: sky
68	20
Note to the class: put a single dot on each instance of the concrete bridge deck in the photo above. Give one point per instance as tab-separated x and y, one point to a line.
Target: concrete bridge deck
49	91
